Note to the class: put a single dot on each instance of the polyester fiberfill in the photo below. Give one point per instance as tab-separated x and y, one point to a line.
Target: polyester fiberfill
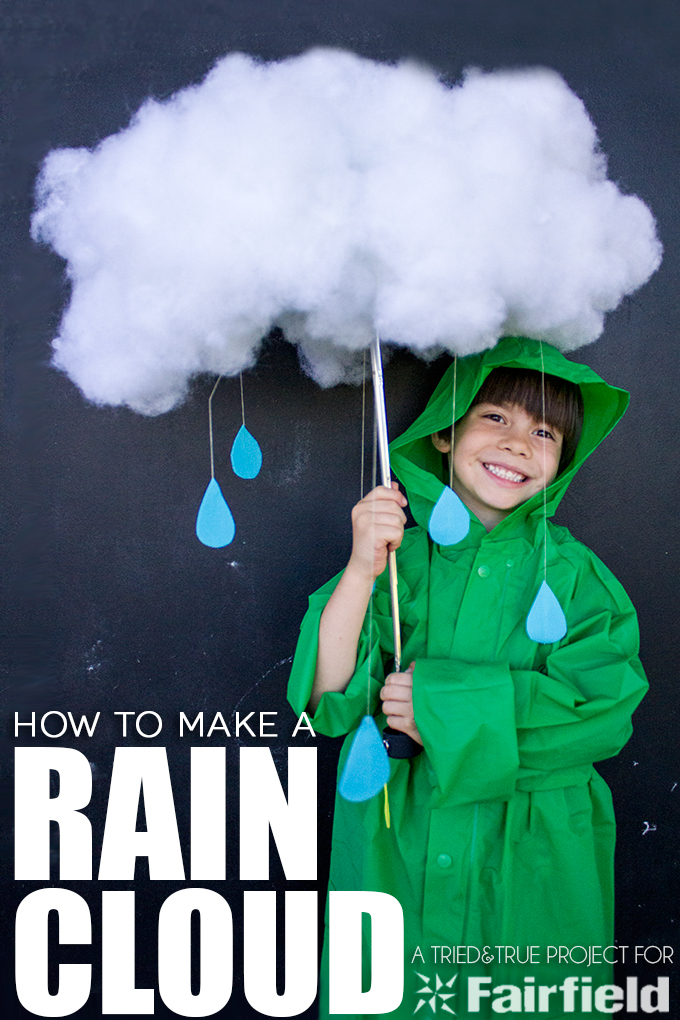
334	196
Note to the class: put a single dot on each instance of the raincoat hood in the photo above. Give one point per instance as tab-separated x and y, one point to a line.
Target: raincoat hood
419	466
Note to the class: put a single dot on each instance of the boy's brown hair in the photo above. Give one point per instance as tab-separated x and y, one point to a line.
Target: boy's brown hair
522	387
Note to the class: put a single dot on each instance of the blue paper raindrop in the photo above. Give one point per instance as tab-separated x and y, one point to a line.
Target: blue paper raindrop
367	768
246	455
214	523
546	623
450	519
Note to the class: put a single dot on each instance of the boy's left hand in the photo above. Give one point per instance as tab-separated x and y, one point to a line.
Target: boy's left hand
397	699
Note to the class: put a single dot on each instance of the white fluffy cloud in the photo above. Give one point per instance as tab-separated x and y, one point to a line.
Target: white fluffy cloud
334	196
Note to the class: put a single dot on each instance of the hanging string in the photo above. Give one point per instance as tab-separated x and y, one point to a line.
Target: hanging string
450	519
370	601
246	455
243	409
367	765
453	420
374	460
363	425
545	487
546	622
210	426
374	473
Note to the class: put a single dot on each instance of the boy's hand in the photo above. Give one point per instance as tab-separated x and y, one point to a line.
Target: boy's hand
397	699
378	528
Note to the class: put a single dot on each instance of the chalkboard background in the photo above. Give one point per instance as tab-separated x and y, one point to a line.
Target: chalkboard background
111	604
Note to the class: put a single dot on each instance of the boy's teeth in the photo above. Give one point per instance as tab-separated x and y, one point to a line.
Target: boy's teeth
510	476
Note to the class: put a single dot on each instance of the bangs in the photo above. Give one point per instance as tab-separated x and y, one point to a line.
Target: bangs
522	387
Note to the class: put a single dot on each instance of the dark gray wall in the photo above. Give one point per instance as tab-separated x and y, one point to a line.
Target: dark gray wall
112	604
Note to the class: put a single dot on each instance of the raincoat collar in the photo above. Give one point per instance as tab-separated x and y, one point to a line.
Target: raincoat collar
419	466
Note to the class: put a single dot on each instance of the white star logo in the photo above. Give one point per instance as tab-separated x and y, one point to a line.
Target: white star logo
434	995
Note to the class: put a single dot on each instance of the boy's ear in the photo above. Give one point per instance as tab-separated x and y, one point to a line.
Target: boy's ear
441	444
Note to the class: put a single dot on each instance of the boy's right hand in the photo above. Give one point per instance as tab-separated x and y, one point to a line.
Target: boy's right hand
378	527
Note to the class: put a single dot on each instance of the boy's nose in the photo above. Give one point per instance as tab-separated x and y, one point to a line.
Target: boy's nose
516	442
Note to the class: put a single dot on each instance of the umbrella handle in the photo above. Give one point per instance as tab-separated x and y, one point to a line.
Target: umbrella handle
384	455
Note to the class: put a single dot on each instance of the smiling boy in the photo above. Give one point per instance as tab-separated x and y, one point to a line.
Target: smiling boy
502	831
503	456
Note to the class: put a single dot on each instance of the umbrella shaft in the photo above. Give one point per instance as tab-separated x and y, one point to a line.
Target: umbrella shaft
384	455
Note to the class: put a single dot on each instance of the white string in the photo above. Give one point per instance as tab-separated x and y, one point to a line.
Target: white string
453	421
210	427
243	410
373	480
545	488
374	474
363	425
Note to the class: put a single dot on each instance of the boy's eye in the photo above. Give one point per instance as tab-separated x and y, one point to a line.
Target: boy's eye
545	433
494	416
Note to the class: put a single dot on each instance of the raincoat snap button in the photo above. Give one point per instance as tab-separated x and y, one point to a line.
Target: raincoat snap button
444	861
484	571
509	563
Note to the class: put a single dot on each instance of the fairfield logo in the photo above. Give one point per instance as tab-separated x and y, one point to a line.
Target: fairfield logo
434	996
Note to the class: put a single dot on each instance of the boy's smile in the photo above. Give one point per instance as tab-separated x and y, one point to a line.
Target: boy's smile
502	457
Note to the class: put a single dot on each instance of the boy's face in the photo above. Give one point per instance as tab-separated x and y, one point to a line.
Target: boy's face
502	457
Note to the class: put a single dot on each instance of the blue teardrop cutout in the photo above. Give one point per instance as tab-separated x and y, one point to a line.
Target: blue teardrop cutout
214	523
450	519
546	623
367	768
246	455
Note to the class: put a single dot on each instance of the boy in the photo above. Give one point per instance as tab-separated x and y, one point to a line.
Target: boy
502	831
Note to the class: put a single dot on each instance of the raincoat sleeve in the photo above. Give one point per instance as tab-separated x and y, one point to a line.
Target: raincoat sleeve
339	712
488	728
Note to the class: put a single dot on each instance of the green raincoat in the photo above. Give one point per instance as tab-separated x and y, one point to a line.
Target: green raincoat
502	832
